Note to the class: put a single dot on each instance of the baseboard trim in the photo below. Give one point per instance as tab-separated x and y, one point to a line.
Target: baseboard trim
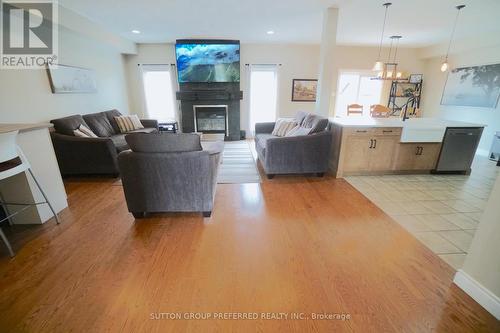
478	292
483	152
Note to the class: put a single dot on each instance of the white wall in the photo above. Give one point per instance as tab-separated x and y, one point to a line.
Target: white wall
299	61
433	89
25	95
480	275
146	54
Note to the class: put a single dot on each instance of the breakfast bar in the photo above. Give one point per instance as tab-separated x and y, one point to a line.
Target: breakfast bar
363	146
34	141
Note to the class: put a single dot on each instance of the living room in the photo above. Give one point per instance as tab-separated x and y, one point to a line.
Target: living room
313	160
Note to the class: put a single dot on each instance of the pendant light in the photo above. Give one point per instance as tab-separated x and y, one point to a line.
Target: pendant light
444	66
379	64
389	69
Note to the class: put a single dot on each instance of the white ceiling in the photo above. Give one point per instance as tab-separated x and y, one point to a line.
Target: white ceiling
420	22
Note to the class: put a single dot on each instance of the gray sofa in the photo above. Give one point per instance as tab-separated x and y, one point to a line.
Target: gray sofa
81	156
298	154
165	172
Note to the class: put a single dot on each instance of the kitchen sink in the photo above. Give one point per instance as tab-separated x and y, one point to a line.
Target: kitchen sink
422	130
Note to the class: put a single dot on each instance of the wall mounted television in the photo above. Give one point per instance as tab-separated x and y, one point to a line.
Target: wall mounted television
207	60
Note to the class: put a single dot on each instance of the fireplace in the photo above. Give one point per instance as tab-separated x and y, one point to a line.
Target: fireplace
211	119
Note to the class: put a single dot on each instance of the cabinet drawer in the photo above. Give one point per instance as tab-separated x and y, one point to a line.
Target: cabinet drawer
358	131
387	131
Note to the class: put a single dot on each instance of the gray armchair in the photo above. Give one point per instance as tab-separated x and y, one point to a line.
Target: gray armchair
295	154
166	172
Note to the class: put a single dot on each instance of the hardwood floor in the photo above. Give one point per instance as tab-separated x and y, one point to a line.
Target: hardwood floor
291	245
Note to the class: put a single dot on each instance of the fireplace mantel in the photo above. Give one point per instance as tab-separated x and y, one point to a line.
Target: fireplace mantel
209	94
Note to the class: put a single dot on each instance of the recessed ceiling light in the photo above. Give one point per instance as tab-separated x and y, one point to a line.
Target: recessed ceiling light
270	32
136	32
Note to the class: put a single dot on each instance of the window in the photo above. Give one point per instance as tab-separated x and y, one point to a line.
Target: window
158	92
263	94
357	88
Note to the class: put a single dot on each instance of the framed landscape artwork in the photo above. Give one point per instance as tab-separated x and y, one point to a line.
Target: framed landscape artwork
304	90
69	79
476	86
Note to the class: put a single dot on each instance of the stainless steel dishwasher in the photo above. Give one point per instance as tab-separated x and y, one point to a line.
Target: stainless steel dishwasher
458	149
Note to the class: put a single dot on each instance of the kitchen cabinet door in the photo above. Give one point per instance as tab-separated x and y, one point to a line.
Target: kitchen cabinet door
405	156
427	157
357	153
382	153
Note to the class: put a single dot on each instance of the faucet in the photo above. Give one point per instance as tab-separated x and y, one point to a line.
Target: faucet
405	116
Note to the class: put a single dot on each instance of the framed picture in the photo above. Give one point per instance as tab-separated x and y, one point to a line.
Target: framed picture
476	86
304	90
415	78
65	79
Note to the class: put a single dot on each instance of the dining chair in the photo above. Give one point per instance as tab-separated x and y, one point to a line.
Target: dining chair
379	111
354	109
13	162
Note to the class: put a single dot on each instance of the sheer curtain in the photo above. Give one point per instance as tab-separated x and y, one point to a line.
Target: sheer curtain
159	86
263	94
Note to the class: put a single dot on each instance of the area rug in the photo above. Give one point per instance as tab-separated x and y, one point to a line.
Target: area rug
238	165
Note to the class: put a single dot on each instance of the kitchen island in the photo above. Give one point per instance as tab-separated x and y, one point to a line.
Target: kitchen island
34	140
363	145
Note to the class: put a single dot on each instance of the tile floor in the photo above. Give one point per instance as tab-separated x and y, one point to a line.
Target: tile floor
442	211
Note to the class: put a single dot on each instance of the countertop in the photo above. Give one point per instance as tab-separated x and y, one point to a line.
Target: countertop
396	122
11	127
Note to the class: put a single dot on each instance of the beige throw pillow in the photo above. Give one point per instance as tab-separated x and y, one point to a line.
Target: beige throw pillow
283	126
299	131
84	132
128	123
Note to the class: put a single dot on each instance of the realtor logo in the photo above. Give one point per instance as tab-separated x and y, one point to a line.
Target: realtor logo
29	34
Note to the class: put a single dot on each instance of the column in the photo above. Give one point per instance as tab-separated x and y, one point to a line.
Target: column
324	99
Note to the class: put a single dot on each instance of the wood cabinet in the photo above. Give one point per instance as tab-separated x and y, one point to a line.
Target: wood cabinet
358	153
367	150
382	153
427	156
377	150
416	156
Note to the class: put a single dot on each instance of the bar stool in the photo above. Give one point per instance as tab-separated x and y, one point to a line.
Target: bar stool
13	162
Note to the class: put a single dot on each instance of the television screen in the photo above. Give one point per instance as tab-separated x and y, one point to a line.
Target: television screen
208	62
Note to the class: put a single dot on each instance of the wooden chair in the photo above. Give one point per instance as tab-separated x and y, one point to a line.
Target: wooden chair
379	111
354	109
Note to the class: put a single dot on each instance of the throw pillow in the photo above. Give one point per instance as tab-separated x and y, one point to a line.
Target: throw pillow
283	126
84	132
315	123
299	131
128	123
99	124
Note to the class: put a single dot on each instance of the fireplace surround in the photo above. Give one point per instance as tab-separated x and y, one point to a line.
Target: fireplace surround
211	119
211	95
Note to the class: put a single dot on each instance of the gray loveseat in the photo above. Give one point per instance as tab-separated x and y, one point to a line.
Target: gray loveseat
297	154
80	156
165	172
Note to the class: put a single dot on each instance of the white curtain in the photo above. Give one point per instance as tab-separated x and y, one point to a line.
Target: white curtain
159	84
262	101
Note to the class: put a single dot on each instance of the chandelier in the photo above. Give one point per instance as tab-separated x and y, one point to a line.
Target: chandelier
389	69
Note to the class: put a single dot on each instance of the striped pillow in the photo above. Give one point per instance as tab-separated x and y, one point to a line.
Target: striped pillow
84	132
283	126
128	123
